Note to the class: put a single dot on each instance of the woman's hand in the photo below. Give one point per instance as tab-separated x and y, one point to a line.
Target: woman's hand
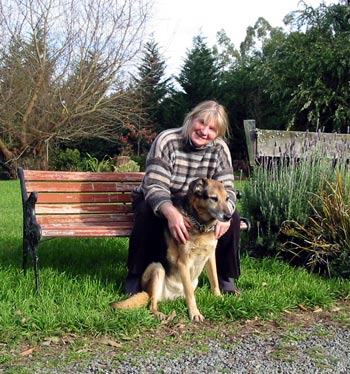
177	224
221	228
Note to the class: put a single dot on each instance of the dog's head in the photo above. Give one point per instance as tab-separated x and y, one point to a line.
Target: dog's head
209	199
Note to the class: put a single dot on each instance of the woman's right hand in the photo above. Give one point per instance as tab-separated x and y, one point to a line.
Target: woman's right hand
177	224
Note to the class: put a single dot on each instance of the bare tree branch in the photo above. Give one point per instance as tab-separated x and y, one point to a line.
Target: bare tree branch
62	74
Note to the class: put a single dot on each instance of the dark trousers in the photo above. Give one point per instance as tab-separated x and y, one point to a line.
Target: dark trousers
147	243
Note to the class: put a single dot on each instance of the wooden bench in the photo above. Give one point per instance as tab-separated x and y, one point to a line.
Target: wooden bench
59	204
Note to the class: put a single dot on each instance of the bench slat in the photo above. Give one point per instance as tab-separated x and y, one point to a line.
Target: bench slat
48	198
45	220
41	186
87	232
64	209
36	175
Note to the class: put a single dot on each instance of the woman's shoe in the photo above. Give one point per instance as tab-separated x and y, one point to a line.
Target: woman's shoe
227	285
132	285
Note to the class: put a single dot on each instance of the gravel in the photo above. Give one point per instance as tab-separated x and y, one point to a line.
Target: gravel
315	349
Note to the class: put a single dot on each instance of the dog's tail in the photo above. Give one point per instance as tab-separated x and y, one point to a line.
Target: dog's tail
138	300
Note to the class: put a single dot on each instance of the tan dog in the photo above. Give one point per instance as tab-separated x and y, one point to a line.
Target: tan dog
204	205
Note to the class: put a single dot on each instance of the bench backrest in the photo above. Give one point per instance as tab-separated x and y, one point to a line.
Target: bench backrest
80	196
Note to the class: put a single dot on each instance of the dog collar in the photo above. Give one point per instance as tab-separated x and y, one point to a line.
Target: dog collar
201	227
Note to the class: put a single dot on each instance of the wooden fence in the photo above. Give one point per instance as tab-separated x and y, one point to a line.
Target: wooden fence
299	144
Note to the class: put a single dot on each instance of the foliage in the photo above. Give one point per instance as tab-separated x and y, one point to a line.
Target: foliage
73	160
62	73
69	159
141	161
129	166
282	187
303	195
199	75
90	163
323	242
96	147
63	78
304	72
150	85
277	191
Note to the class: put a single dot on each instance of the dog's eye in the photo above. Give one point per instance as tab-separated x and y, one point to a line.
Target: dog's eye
214	198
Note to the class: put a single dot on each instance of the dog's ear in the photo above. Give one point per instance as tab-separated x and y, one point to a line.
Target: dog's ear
198	186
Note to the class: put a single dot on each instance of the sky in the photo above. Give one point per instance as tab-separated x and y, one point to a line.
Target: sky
176	22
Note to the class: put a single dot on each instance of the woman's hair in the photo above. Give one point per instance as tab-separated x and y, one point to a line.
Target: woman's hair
208	111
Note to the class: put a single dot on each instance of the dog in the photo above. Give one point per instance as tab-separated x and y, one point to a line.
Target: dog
204	205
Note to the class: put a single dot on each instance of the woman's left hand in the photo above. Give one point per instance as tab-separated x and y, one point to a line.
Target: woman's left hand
221	228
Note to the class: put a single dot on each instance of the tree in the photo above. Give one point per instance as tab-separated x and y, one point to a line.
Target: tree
240	89
151	87
150	83
199	76
256	38
226	55
307	73
63	72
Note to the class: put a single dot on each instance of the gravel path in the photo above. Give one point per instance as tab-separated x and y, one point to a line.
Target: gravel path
311	342
317	349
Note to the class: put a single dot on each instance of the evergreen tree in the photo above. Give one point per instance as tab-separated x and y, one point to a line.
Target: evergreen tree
151	85
199	76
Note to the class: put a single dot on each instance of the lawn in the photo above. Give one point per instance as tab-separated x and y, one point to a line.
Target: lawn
80	277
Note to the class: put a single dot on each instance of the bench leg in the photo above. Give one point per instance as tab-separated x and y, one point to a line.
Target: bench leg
25	255
31	237
32	245
28	245
34	250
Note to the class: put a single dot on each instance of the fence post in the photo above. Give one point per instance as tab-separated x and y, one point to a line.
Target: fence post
250	138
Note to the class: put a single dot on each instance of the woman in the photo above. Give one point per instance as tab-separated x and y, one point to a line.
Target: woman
178	156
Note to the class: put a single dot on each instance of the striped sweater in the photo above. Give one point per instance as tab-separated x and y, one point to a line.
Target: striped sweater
172	163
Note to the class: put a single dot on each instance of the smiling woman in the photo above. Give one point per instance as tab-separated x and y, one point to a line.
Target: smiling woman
202	133
205	123
176	158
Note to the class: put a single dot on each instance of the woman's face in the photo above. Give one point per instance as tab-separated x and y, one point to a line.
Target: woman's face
202	134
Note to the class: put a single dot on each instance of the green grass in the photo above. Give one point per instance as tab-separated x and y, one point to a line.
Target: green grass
80	277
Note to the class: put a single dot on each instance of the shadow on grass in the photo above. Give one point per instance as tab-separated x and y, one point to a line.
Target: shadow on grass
103	259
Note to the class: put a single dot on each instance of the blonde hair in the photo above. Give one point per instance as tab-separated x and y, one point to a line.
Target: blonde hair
208	111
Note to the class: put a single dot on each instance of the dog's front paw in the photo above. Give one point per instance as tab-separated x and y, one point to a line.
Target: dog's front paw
159	314
196	316
216	291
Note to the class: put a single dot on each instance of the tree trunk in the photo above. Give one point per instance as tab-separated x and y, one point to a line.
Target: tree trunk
5	153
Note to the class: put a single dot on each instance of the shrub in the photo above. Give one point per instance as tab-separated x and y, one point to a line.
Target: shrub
91	163
71	160
129	166
68	160
280	190
323	243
